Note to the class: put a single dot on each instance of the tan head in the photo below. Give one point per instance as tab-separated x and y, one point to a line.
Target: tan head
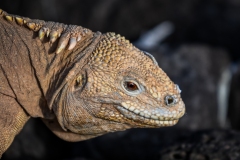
122	87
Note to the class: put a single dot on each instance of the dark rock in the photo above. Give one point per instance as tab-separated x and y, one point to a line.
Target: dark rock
205	145
234	100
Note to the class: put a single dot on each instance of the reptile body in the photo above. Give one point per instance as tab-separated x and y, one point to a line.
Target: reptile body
81	83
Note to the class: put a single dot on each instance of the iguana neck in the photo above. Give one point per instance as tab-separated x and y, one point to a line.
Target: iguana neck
46	71
54	70
68	65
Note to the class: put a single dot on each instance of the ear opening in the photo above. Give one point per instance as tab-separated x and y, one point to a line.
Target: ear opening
69	73
80	81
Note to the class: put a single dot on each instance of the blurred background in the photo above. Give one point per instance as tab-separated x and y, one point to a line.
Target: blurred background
196	42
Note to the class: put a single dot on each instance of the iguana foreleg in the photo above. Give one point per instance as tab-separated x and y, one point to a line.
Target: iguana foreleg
12	120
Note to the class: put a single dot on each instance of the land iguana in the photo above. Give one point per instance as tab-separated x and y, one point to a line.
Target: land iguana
82	84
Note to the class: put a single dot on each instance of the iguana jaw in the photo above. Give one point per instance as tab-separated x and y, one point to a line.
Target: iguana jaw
148	121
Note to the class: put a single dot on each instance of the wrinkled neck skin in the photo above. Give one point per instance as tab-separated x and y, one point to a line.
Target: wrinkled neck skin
64	67
35	73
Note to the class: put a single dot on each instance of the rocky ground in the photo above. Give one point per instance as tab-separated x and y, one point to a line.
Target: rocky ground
205	145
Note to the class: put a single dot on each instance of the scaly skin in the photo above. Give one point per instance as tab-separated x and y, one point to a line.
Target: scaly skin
82	84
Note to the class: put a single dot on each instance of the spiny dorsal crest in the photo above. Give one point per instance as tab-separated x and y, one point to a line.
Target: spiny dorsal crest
68	35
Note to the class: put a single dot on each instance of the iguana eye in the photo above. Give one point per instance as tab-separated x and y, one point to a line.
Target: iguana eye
130	86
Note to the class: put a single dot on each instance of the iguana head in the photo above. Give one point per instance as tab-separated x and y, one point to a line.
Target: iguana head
120	87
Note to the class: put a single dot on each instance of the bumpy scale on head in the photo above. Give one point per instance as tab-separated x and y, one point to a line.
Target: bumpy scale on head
132	87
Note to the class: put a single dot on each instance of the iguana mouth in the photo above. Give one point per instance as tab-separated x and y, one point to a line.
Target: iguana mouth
147	120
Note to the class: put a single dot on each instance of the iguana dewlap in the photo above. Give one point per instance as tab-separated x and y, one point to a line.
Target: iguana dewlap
82	84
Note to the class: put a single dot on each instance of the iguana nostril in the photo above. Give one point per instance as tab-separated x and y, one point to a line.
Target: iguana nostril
170	100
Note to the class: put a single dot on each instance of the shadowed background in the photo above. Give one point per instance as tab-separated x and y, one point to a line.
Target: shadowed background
196	42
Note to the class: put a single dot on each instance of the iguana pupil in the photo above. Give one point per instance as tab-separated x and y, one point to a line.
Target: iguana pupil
130	86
